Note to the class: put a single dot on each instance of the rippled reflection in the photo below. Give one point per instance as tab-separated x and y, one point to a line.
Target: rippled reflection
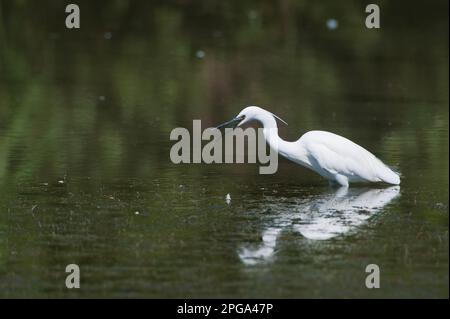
320	218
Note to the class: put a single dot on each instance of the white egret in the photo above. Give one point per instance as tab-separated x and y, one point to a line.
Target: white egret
332	156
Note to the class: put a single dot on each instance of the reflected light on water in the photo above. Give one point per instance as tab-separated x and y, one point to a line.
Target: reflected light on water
321	218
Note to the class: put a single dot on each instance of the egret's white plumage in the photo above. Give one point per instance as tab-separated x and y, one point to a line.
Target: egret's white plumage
330	155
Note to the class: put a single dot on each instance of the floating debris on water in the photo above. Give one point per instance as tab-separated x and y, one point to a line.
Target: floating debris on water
200	54
228	199
136	213
440	206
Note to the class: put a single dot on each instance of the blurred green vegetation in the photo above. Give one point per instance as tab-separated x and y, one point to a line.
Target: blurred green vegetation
69	96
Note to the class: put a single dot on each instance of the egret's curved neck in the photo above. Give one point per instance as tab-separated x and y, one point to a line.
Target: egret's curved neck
290	150
271	134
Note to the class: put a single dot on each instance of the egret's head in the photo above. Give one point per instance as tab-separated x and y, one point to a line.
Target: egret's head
249	114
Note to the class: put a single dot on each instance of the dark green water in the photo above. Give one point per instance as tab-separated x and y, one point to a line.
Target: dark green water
86	178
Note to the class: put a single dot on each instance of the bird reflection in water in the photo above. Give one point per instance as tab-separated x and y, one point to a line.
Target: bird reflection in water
321	218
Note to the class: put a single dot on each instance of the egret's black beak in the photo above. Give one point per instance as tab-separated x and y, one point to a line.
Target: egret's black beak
233	123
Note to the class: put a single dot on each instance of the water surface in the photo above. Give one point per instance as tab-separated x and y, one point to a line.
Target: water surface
86	178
